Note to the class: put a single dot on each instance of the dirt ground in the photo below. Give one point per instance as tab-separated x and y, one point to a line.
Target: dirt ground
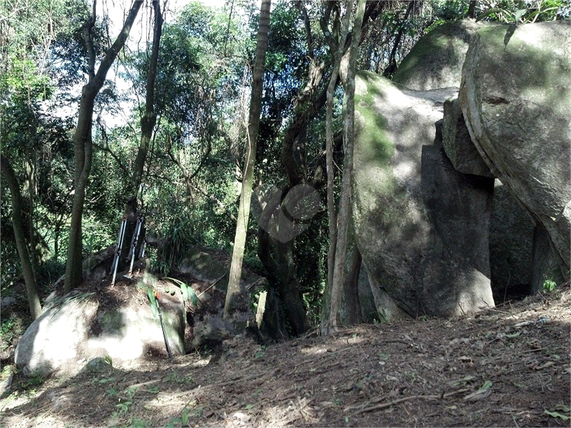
507	367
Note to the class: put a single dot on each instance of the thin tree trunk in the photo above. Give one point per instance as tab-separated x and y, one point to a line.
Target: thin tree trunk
19	234
83	150
344	213
337	47
392	67
472	9
249	164
28	196
149	118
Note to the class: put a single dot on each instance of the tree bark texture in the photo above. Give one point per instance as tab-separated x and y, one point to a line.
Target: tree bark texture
82	142
344	212
19	234
351	301
336	41
149	118
249	163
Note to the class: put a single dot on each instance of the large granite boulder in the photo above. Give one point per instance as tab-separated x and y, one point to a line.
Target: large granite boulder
422	198
118	324
413	212
516	101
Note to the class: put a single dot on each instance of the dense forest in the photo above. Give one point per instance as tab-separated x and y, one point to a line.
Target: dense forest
187	113
106	108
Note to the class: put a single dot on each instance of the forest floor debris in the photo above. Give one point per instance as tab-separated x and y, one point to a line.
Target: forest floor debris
508	366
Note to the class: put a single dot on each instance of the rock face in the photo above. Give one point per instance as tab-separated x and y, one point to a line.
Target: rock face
426	161
81	326
511	245
417	208
457	142
516	100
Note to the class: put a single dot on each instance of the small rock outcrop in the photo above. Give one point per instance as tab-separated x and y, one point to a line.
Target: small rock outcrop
84	325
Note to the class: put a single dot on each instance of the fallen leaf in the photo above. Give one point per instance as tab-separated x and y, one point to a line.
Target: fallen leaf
484	391
556	415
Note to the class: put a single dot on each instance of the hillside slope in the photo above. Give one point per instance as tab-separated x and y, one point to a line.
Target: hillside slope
509	366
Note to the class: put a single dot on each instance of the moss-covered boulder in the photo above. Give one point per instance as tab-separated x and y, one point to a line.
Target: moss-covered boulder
436	60
413	212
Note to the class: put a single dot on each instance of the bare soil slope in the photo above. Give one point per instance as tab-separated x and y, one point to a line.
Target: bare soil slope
506	367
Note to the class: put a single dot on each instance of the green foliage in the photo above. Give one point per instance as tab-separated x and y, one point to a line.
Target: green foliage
11	327
191	196
35	138
524	11
97	234
108	360
70	54
126	399
178	240
31	383
446	10
549	285
561	411
7	330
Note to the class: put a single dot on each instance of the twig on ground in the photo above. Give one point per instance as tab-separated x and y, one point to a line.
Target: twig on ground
412	397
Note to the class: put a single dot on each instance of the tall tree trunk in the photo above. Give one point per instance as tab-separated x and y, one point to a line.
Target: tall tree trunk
249	163
150	117
19	234
277	256
351	302
82	143
344	214
148	121
337	46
